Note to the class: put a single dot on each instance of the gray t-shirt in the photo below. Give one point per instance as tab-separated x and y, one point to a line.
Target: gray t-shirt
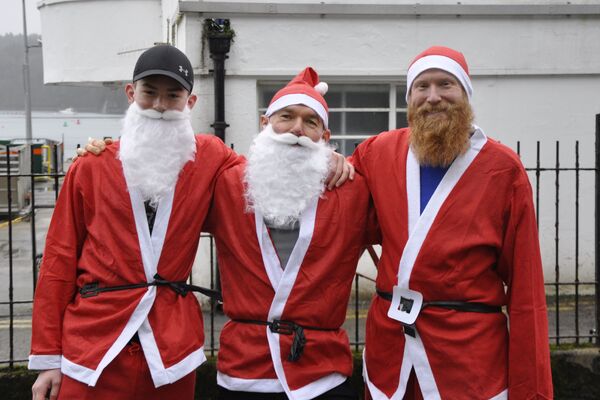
284	239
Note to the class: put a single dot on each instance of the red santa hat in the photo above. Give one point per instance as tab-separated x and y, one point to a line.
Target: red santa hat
444	58
304	89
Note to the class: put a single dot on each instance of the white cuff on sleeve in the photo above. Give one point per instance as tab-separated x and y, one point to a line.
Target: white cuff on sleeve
38	362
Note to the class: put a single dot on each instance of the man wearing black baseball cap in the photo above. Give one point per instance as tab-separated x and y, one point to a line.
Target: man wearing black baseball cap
167	61
162	67
112	316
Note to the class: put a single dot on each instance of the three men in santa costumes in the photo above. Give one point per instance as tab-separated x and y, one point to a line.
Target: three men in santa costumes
458	227
459	243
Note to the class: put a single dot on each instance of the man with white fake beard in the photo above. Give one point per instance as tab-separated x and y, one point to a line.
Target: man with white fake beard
459	243
112	316
287	254
283	174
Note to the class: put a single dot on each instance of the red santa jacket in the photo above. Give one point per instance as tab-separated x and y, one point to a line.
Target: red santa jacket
99	233
313	289
476	236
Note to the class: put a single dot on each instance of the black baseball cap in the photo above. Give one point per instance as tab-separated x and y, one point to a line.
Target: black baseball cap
167	60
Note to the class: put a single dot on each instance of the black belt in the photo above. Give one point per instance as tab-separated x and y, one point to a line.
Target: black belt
288	328
449	304
179	287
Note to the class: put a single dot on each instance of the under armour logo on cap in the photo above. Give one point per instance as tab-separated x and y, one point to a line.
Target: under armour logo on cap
185	71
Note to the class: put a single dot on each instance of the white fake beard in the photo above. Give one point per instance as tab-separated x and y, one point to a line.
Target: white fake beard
284	173
154	148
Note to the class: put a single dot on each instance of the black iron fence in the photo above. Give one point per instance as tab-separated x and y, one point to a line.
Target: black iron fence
558	294
573	304
8	180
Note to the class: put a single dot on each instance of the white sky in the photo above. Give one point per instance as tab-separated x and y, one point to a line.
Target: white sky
11	17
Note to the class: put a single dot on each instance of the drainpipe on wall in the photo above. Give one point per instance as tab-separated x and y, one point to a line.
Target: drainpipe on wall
219	35
596	331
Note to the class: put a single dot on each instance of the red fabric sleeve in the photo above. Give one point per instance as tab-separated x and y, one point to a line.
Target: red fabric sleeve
212	218
372	231
229	159
529	374
57	280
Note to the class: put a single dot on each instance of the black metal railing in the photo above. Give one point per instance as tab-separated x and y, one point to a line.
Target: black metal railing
583	299
557	299
30	213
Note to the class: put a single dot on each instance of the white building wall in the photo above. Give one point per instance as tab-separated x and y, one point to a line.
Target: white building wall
380	46
549	109
546	77
91	42
189	39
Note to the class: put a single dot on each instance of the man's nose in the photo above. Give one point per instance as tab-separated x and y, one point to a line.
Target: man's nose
297	127
159	105
433	96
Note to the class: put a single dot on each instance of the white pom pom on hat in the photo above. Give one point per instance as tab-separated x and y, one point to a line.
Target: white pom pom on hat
322	88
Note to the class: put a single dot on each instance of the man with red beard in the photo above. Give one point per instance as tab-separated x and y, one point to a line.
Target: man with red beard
287	254
459	244
111	318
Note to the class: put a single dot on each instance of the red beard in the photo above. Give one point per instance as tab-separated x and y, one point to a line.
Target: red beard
437	139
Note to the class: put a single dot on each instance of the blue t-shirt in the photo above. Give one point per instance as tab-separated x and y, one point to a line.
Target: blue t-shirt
430	178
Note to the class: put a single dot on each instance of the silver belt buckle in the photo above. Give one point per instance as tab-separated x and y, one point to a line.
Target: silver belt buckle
406	305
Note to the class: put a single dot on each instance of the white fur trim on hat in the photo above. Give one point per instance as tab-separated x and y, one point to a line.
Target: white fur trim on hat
438	62
299	98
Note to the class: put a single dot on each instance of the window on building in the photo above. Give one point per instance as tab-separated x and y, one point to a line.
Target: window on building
356	111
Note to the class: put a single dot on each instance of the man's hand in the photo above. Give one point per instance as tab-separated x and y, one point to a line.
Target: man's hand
94	146
47	380
340	171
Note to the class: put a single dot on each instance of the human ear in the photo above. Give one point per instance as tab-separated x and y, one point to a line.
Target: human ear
191	101
130	92
264	121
